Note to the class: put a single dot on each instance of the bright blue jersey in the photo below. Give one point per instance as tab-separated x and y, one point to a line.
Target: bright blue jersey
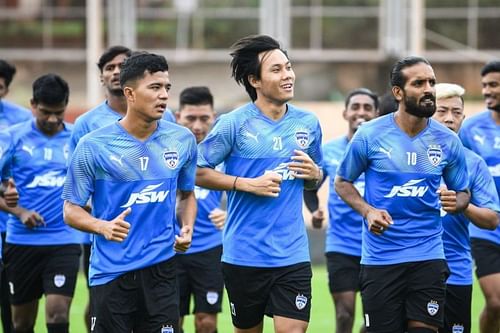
4	153
481	134
100	116
262	231
344	229
205	235
11	114
38	164
402	175
118	171
456	234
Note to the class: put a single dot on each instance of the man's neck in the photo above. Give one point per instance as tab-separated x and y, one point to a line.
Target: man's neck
137	126
496	116
271	110
117	103
410	124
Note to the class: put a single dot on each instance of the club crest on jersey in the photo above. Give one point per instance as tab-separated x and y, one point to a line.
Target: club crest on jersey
59	280
457	328
300	301
432	308
171	158
302	138
167	329
212	297
434	154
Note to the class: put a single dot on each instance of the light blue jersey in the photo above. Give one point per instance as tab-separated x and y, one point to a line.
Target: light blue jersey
402	175
4	152
456	233
344	230
263	231
118	171
481	134
38	164
11	114
205	235
100	116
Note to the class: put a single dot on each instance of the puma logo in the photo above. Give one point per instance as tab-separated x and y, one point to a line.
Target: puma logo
385	151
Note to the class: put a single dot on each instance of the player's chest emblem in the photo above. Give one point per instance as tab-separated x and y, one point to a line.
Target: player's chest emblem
302	138
434	154
66	151
497	142
171	158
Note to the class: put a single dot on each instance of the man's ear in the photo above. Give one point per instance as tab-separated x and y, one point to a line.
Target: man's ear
33	103
129	94
398	93
254	82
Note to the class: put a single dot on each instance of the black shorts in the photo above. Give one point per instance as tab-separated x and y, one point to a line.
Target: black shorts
36	270
394	294
86	261
343	272
486	255
457	312
200	274
281	291
144	300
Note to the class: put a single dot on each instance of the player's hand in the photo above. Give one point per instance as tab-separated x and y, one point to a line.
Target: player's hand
218	218
304	167
318	216
268	185
31	219
378	221
11	196
448	199
183	241
117	229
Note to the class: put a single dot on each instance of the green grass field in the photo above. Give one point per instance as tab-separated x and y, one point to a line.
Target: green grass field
322	316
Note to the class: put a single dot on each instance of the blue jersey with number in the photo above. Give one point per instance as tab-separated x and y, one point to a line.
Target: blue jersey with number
118	171
345	224
456	234
38	164
100	116
402	175
481	134
11	114
263	231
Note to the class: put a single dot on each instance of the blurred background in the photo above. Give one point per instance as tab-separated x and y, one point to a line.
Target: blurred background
335	45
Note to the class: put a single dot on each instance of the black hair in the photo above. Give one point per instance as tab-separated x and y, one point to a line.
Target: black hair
491	67
136	66
245	62
111	53
397	77
362	91
196	96
50	89
7	72
388	104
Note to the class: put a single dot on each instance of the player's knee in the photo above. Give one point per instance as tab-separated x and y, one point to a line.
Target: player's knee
57	315
22	326
493	305
206	323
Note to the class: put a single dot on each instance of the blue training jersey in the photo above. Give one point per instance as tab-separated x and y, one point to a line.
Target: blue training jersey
263	231
100	116
11	114
4	152
402	175
481	134
456	233
205	235
345	224
38	164
118	171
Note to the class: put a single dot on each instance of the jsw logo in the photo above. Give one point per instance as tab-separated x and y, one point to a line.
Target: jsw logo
50	179
201	193
147	195
409	189
282	170
495	170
